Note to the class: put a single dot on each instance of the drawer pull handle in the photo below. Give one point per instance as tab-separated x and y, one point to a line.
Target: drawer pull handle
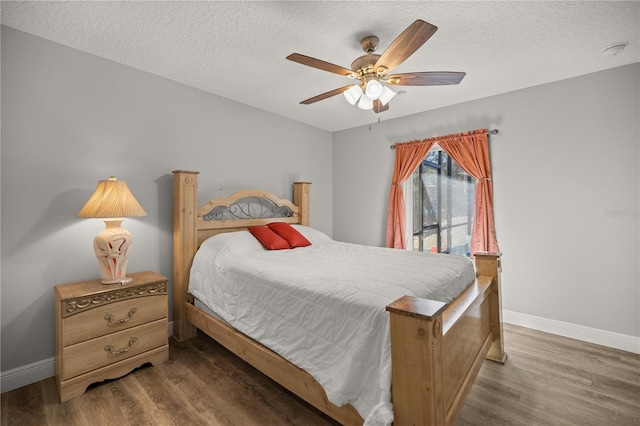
109	348
109	317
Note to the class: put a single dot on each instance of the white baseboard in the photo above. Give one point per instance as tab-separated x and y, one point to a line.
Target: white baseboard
31	373
587	334
27	374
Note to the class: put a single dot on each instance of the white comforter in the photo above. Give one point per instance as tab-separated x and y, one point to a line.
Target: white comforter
322	307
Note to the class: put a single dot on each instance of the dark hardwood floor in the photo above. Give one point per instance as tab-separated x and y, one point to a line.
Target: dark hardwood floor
547	380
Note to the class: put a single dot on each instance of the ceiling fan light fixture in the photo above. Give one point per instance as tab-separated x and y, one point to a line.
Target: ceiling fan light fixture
386	96
365	103
353	94
373	89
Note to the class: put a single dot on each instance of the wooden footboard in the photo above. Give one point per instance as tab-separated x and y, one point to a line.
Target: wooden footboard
436	349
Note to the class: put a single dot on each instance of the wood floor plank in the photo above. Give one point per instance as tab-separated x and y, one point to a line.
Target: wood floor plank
547	380
57	413
24	405
560	381
188	388
176	410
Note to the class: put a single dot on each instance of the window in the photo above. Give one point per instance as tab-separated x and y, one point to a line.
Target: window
443	199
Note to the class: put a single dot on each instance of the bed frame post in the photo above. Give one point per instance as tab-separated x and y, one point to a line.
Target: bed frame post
301	193
185	244
417	361
488	264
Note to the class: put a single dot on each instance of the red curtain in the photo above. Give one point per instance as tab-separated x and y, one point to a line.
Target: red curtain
471	151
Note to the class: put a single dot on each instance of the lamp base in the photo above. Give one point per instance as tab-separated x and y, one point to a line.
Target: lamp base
112	251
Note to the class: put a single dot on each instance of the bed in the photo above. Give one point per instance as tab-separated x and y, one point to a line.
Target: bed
436	348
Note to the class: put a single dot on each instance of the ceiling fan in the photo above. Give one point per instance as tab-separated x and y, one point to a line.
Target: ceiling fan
372	70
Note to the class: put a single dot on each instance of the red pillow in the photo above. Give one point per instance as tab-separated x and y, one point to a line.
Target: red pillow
269	239
289	233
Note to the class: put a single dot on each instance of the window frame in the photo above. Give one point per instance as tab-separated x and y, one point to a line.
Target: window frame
447	165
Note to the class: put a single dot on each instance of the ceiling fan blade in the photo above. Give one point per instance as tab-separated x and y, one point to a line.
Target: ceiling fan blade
405	45
378	107
321	65
325	95
429	78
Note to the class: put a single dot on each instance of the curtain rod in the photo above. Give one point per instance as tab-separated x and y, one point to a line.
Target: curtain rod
489	133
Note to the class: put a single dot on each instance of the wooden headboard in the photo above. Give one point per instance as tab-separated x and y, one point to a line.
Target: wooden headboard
192	225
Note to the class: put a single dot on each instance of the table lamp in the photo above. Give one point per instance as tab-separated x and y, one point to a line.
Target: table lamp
112	200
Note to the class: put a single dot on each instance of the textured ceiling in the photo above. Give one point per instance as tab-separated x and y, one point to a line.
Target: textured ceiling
237	49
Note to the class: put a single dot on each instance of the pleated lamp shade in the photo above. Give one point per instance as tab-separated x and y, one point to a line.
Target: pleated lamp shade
112	200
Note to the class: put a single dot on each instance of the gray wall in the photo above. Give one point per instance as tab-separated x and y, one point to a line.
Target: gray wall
566	187
70	119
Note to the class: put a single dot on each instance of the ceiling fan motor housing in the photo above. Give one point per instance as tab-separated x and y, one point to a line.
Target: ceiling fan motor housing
364	64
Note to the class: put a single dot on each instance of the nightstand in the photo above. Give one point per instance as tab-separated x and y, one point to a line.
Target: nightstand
106	331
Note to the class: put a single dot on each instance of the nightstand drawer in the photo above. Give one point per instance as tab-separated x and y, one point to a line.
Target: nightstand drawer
113	317
90	355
